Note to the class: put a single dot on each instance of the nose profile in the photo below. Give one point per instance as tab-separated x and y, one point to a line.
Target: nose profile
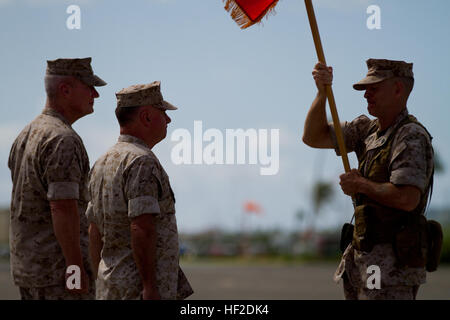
168	120
95	93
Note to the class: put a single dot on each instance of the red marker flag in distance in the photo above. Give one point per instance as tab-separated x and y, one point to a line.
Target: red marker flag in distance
248	12
252	207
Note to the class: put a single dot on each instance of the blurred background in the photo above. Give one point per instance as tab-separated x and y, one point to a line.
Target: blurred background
242	235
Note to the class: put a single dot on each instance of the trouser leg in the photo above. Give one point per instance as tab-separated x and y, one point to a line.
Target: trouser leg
55	293
350	292
388	293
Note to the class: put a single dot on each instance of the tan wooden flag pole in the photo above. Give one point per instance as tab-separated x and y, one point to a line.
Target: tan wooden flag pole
329	90
248	12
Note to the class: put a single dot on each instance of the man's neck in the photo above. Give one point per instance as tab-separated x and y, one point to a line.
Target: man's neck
385	123
135	133
389	119
62	110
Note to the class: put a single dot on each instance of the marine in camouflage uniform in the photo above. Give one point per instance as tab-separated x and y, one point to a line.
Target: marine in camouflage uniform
411	163
405	149
48	162
125	183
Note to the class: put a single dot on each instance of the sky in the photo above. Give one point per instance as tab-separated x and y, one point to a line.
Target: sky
228	78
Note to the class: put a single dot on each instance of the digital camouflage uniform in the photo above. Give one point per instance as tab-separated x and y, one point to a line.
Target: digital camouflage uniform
48	161
410	163
126	182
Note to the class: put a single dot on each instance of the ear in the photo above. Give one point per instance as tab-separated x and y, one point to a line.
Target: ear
145	117
65	89
399	89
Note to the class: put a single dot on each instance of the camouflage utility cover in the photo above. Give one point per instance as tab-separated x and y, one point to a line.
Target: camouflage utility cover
48	162
383	69
411	163
143	95
78	68
126	182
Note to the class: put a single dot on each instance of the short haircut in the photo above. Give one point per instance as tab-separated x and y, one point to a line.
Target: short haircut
52	83
408	83
126	115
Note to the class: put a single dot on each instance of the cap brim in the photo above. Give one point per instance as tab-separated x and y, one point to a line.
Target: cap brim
99	82
94	81
168	106
361	85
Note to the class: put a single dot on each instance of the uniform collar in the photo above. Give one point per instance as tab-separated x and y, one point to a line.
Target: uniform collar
400	117
132	139
53	113
378	138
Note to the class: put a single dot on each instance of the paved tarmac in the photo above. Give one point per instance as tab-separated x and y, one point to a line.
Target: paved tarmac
310	281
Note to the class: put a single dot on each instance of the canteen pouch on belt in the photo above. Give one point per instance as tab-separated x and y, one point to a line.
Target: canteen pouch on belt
346	236
410	244
361	235
435	238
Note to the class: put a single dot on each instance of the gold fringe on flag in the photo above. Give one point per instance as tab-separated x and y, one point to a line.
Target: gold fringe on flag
241	18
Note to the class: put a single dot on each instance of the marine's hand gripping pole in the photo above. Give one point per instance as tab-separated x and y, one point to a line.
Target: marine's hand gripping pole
330	96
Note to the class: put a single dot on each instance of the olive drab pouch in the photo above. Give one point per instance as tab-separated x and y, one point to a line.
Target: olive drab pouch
435	238
346	236
361	234
410	244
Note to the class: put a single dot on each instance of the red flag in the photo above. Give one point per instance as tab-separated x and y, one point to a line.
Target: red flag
252	207
248	12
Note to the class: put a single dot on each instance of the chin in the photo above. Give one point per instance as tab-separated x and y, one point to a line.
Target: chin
371	111
90	110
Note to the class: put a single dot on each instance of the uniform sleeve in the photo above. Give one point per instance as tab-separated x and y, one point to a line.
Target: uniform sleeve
62	160
412	158
94	187
354	132
142	187
90	214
